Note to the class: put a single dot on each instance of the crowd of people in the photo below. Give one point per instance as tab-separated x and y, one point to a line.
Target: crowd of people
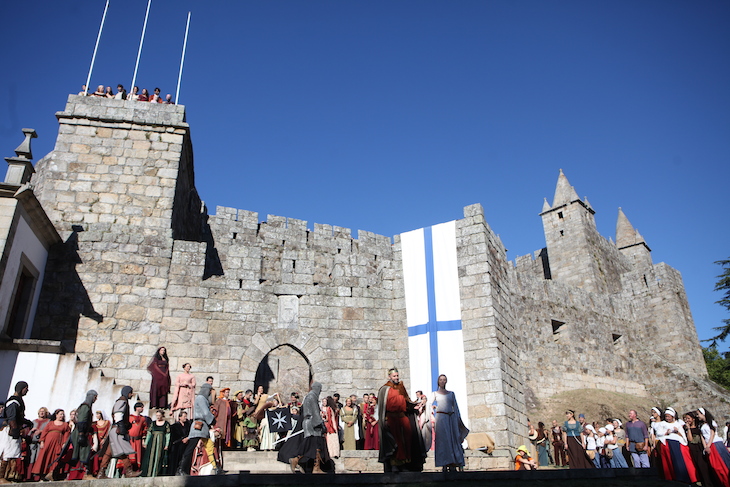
691	448
187	435
122	94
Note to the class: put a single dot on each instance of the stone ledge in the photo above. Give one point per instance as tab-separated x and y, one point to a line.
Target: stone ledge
33	345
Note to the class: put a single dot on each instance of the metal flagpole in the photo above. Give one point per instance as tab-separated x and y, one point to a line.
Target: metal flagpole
96	46
182	60
141	41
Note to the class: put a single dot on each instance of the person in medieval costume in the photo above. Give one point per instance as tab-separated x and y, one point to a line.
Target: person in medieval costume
450	430
137	433
313	455
401	444
184	392
119	437
10	439
203	419
179	432
224	416
159	368
80	436
238	410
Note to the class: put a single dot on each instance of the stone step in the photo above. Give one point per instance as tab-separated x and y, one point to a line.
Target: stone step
357	461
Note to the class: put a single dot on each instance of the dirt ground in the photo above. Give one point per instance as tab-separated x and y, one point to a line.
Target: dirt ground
596	404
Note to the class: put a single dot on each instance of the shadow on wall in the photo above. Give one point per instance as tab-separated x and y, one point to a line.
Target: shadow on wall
284	369
63	298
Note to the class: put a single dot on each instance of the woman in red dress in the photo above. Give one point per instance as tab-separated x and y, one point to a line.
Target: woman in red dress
159	367
52	439
372	442
100	433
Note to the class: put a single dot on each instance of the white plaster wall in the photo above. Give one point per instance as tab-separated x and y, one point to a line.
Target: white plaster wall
58	381
24	242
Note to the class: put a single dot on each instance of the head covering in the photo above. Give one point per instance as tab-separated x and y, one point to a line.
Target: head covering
620	424
656	410
317	388
609	427
205	390
581	415
237	393
591	428
701	411
20	386
126	391
602	430
91	396
671	412
222	392
522	448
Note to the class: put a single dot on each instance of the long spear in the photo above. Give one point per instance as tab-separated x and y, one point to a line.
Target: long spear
96	46
182	60
141	41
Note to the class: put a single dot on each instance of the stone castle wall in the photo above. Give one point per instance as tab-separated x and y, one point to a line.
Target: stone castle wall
143	265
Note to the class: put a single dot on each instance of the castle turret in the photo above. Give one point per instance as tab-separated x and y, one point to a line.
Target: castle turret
630	242
577	254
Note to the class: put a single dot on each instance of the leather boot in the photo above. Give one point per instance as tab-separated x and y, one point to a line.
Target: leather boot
104	464
318	464
3	469
294	463
12	472
129	471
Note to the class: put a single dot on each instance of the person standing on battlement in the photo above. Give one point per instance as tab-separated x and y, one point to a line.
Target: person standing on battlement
401	446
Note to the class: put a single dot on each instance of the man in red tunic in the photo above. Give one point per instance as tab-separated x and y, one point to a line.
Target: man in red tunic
400	445
137	432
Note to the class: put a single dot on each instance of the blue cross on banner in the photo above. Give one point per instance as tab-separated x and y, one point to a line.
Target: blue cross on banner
433	309
433	326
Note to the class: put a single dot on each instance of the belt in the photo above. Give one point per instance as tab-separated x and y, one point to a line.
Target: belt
443	412
135	437
395	414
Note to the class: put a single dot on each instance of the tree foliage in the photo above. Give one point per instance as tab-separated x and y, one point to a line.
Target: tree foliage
722	284
718	365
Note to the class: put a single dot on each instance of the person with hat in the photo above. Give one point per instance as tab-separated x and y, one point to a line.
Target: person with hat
10	440
676	459
119	437
238	408
224	416
523	460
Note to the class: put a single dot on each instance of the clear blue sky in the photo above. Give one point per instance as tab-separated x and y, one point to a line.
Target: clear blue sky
388	116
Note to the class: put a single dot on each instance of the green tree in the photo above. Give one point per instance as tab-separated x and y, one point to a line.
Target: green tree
718	365
722	284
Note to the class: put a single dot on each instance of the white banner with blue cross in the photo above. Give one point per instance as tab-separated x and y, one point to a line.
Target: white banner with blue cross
433	311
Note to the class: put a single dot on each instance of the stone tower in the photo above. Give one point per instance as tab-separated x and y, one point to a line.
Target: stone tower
575	249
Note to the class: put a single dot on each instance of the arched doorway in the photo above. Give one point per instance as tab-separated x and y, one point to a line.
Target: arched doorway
285	369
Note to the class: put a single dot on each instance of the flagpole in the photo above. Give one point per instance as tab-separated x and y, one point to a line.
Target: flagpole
96	46
182	60
141	41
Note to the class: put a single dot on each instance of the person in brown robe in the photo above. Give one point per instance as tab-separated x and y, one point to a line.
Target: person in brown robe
224	416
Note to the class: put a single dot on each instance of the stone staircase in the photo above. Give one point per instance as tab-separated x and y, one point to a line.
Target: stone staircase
354	461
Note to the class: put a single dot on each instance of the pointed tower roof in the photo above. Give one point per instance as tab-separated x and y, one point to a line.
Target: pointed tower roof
545	206
626	234
564	192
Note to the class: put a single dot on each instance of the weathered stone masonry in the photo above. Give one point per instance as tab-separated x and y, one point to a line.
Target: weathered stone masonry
143	265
